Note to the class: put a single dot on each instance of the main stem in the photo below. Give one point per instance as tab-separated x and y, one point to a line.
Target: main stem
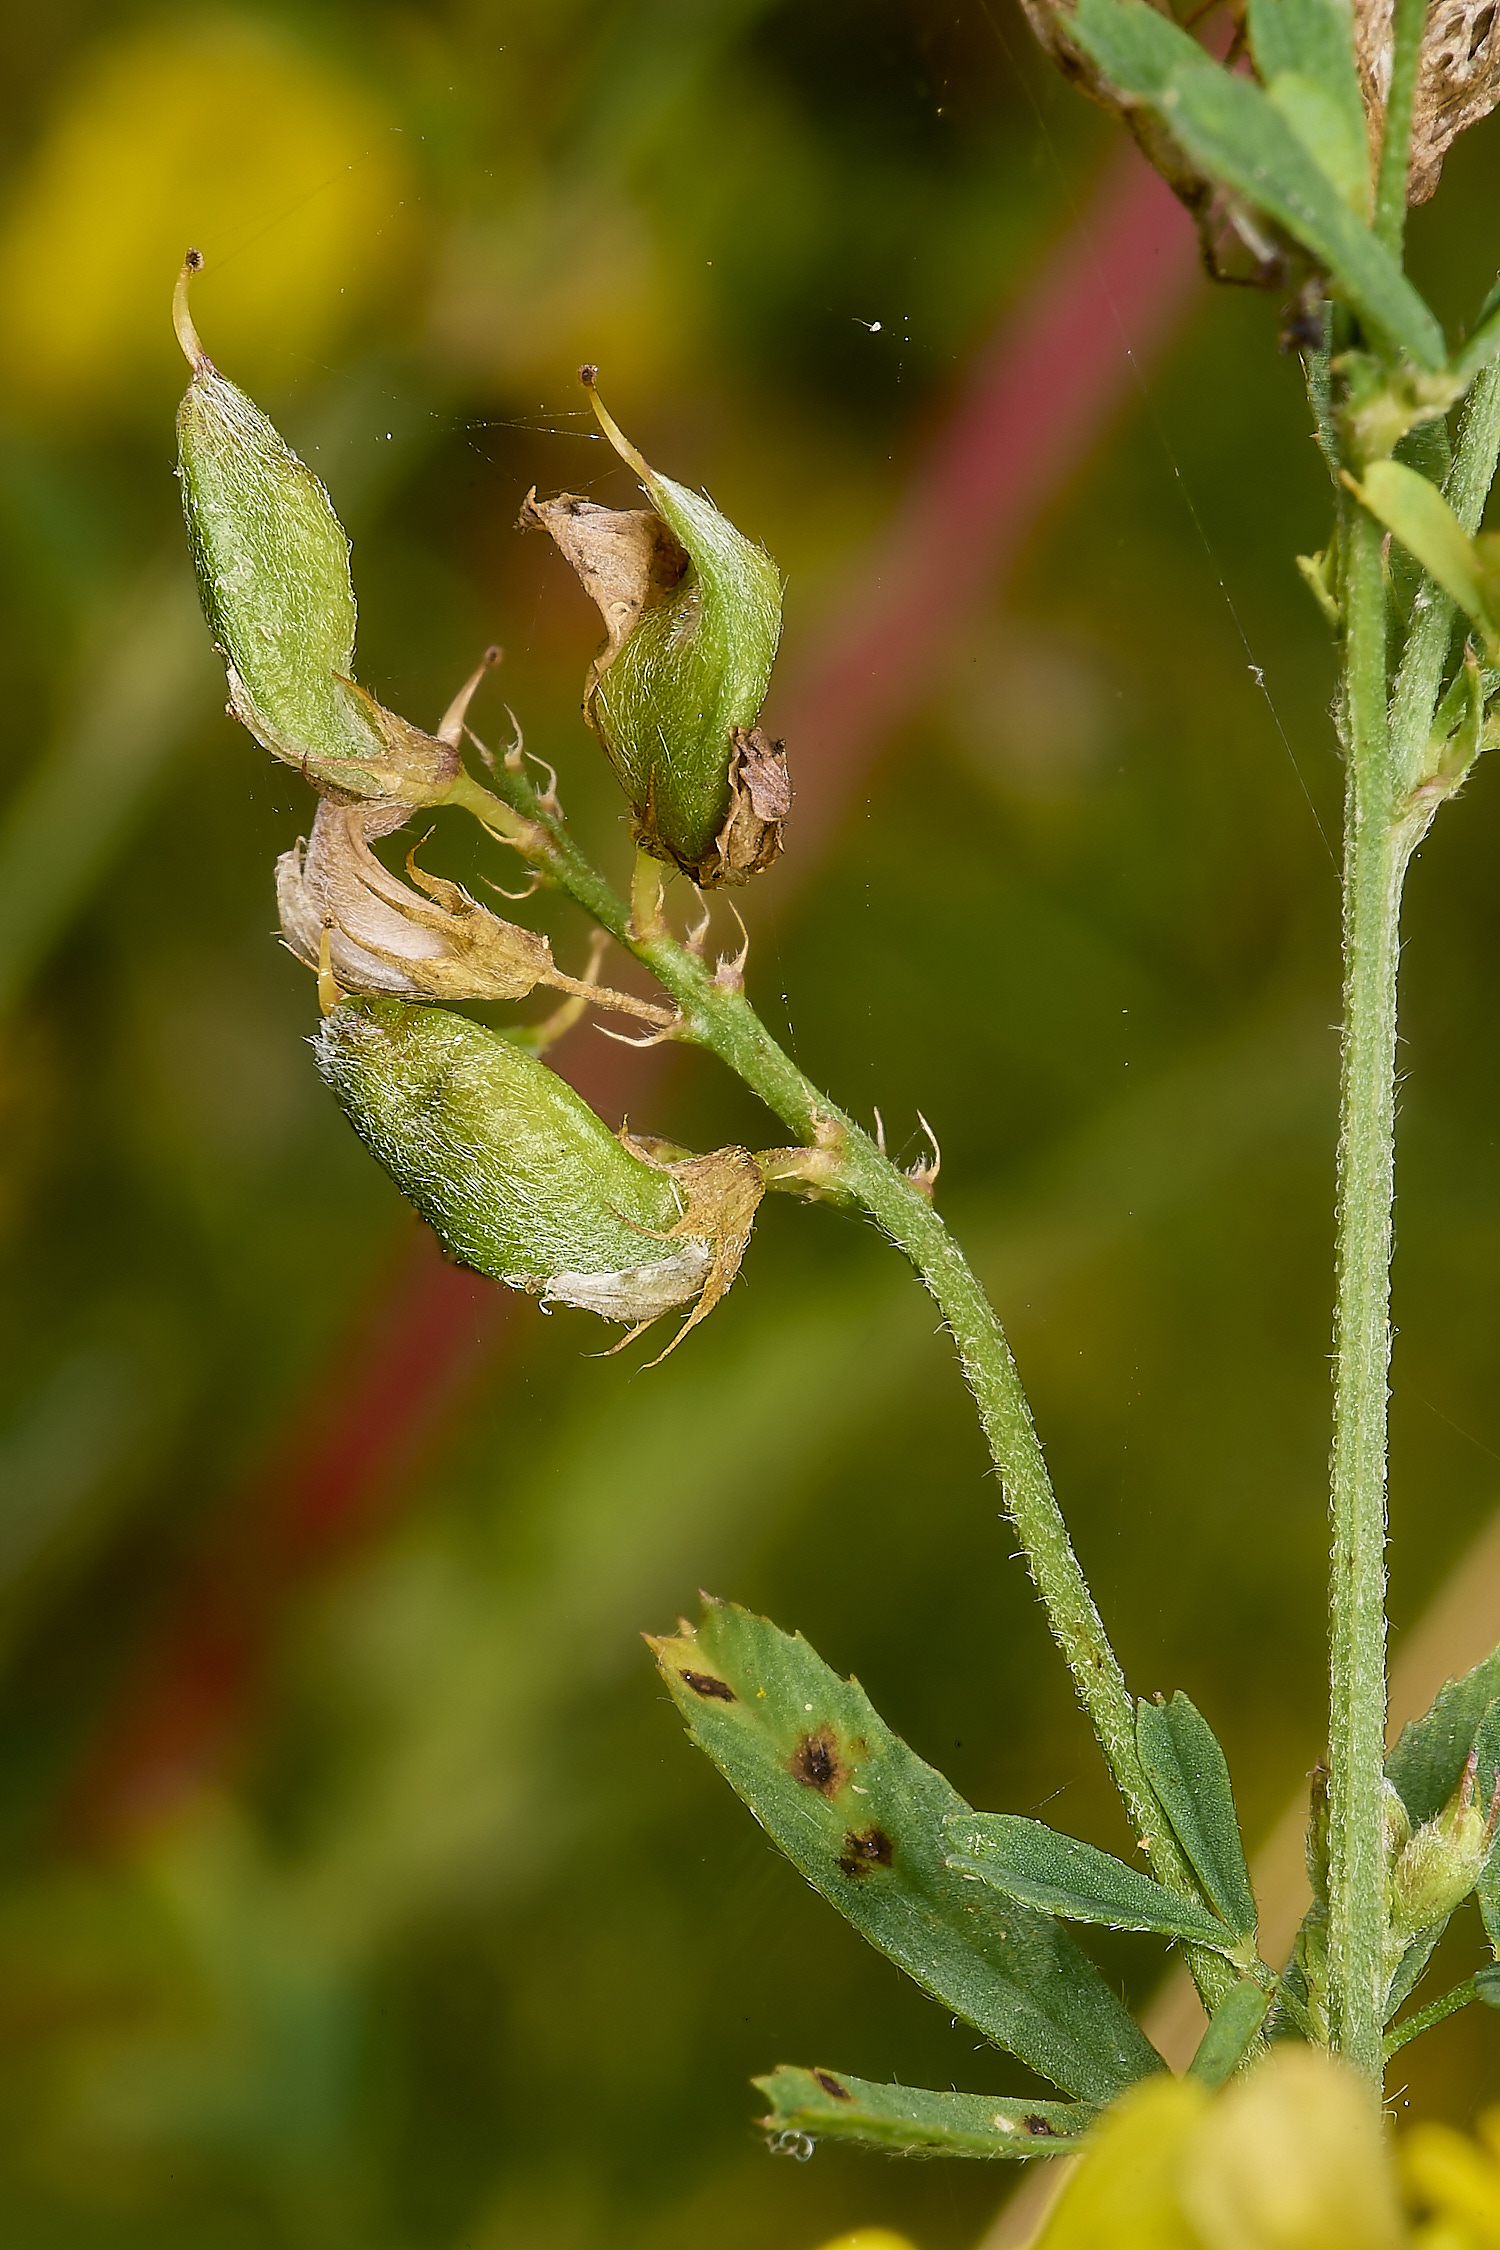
717	1015
1375	852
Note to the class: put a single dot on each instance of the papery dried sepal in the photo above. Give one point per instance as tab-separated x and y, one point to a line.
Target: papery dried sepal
383	936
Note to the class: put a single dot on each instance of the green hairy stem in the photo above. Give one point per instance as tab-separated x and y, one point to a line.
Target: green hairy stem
719	1017
1374	863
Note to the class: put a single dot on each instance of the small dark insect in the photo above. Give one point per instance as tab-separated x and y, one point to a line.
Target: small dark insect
830	2085
865	1848
1038	2128
704	1683
817	1764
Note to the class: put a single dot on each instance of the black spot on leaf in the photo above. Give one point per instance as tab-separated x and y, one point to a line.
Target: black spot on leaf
715	1691
817	1764
831	2085
865	1848
1038	2128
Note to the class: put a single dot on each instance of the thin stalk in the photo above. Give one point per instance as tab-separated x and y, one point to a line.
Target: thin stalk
1436	2012
1409	21
717	1015
1375	854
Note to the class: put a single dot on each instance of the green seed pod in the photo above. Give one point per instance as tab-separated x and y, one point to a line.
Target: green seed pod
518	1178
273	572
692	613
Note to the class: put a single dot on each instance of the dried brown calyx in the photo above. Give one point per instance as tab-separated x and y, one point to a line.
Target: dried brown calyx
720	1195
342	911
1458	79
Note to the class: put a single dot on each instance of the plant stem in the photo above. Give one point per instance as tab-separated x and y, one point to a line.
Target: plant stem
1409	21
1375	853
717	1015
1436	2012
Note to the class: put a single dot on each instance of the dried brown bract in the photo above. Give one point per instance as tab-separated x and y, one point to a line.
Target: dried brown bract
1458	80
384	937
760	797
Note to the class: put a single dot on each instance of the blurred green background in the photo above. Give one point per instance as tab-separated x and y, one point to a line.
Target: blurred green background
357	1885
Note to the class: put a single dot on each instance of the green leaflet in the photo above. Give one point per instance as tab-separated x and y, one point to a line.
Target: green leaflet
1304	52
862	1818
1427	527
830	2105
1232	2027
1186	1768
1059	1875
1429	1758
1234	132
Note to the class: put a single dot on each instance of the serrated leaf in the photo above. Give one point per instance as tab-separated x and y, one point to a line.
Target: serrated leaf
830	2105
1231	2029
1187	1769
1430	1756
1059	1875
1235	133
1428	529
1304	52
862	1817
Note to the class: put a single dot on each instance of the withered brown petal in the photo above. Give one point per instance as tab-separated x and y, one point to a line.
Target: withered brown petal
1458	81
626	559
760	797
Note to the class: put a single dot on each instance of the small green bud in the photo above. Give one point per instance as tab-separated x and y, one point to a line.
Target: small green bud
692	614
518	1178
273	572
1437	1866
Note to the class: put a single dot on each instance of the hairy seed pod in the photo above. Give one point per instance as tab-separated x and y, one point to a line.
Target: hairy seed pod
273	571
692	615
517	1176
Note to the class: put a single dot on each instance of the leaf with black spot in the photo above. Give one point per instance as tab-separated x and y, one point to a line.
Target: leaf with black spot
862	1818
907	2120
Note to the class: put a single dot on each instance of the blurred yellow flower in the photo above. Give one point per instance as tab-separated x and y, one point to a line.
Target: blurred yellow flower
1456	2182
1290	2157
869	2238
222	135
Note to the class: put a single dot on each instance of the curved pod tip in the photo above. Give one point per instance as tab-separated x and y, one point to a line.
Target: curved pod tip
588	375
182	319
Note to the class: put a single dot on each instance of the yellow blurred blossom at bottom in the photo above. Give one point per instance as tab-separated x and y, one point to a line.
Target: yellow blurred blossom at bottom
1292	2156
868	2238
